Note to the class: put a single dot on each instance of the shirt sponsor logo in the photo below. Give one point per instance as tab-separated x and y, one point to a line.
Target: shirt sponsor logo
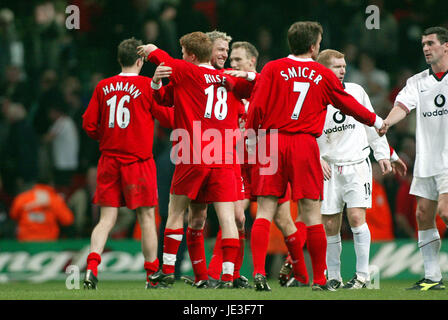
340	128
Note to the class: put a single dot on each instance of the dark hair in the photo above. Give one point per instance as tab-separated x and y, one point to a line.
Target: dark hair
199	44
441	33
251	51
127	52
302	35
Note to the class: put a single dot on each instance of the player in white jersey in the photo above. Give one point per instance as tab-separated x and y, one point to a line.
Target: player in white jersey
427	93
345	147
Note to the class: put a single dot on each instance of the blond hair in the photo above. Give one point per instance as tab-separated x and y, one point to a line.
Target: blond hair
326	55
215	35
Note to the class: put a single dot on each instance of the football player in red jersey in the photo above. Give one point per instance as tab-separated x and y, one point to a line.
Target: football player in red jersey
119	116
200	100
291	98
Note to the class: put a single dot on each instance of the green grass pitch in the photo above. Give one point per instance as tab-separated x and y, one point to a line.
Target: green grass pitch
133	290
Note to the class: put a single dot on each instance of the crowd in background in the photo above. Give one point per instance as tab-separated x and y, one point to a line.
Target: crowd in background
48	73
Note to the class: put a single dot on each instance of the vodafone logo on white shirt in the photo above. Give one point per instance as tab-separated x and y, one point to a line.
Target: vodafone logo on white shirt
439	102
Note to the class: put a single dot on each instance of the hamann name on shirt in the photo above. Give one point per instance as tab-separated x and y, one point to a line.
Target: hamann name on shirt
131	89
299	72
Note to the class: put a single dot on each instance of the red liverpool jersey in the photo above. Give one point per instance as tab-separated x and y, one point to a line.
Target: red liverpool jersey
202	109
119	117
292	95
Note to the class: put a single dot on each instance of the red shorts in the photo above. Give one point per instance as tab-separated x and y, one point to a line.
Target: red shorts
240	188
205	184
132	185
246	174
298	162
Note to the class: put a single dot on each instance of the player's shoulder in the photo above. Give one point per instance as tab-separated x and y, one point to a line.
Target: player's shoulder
353	87
421	76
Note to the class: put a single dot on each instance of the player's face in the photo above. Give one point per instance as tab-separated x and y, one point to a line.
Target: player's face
433	49
220	53
338	67
239	60
315	48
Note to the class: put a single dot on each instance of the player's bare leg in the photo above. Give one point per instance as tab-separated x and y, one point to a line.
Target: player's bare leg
267	207
147	221
429	244
230	241
172	239
108	217
332	224
361	240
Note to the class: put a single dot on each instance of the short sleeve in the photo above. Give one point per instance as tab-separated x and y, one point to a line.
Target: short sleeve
408	96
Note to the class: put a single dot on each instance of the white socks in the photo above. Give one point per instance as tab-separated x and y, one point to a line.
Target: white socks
429	244
334	249
361	239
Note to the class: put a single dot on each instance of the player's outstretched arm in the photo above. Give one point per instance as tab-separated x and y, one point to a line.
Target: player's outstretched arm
146	49
395	115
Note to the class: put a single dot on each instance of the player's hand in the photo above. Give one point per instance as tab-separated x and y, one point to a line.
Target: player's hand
326	169
382	131
146	49
162	72
399	167
385	166
237	73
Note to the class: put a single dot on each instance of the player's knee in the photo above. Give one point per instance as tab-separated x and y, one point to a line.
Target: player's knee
196	223
331	226
240	222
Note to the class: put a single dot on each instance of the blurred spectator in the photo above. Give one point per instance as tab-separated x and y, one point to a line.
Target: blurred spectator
64	140
382	43
89	153
264	46
14	86
39	212
80	202
19	152
375	81
379	217
48	92
7	226
43	40
11	46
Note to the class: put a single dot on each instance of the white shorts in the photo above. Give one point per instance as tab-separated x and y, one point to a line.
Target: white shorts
349	184
430	187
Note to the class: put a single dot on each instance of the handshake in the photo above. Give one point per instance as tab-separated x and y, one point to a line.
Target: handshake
383	130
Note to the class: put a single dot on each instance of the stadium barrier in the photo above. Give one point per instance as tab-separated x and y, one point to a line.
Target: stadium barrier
123	260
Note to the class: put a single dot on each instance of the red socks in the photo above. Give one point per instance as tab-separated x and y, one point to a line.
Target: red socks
151	267
317	247
171	242
229	252
195	245
215	265
259	241
295	243
240	255
93	260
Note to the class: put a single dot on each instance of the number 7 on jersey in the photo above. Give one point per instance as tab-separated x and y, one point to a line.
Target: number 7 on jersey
302	88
